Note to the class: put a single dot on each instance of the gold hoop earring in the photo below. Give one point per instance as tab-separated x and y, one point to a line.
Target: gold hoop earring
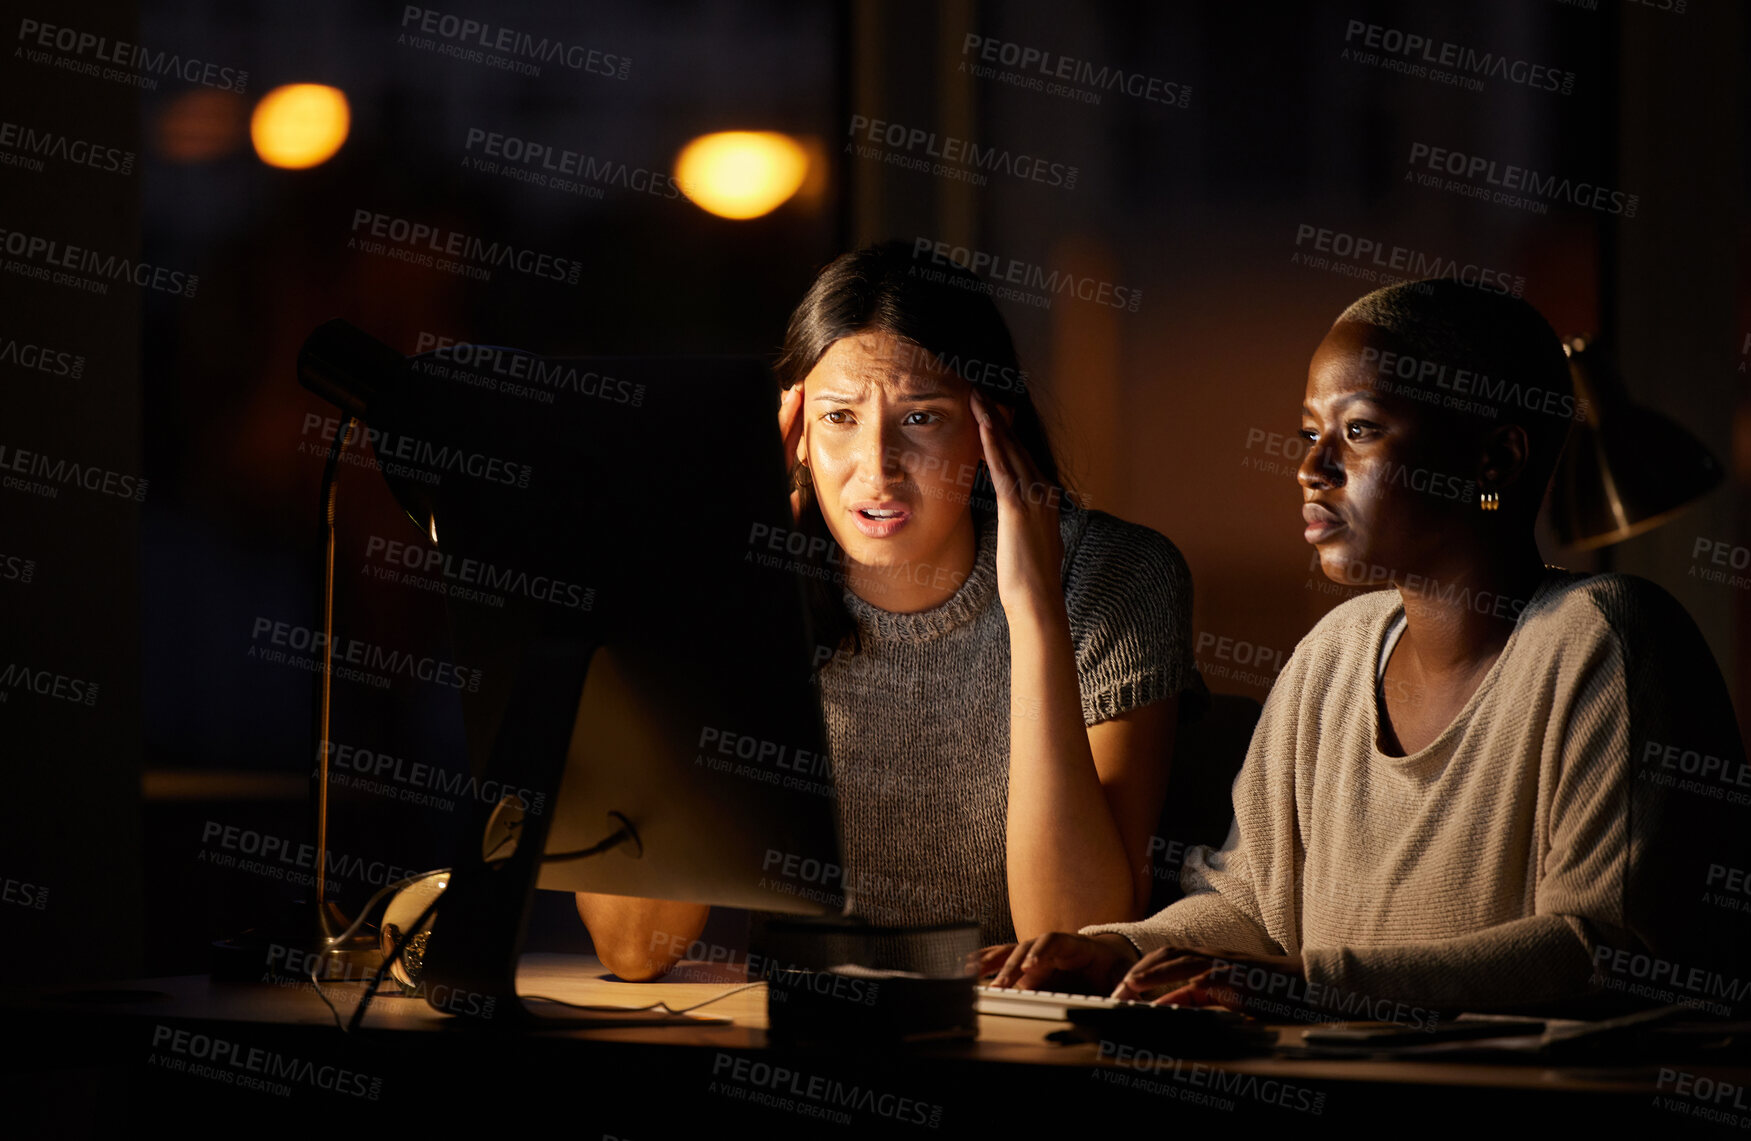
799	476
1490	501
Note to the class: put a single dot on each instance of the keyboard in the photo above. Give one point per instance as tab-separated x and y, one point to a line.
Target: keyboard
1189	1031
1049	1004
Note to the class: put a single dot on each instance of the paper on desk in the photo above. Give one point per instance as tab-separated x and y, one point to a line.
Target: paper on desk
1519	1045
603	1017
854	970
1557	1031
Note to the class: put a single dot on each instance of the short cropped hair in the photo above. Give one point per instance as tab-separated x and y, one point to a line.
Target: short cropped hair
1475	356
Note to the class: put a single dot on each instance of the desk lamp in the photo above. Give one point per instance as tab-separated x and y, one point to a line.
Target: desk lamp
362	377
1627	468
357	374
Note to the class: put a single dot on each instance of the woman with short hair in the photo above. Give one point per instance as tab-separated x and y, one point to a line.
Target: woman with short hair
1452	799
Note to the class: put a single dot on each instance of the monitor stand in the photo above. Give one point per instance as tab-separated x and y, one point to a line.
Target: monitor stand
472	973
483	916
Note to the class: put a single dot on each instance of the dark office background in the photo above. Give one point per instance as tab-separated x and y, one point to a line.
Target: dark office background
1158	412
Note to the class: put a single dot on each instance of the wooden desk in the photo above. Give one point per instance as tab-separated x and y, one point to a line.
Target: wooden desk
272	1053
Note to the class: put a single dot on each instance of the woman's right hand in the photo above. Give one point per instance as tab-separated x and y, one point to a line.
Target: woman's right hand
790	430
1092	964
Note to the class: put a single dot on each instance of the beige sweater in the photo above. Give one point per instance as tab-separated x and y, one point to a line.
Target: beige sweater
1488	869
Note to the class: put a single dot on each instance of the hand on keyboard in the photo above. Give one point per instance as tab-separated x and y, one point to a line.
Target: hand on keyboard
1205	976
1061	962
1180	976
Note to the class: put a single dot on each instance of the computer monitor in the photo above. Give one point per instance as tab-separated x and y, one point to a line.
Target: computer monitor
649	669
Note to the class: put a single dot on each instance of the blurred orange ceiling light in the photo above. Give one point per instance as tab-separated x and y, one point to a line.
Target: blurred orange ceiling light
741	174
300	125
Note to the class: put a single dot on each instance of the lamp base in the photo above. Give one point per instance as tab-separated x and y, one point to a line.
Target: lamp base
283	951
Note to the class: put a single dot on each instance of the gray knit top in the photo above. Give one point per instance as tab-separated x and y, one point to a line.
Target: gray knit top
918	721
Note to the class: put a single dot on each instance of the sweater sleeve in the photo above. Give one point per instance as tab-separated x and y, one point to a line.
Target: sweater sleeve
1218	911
1242	897
1527	961
1129	597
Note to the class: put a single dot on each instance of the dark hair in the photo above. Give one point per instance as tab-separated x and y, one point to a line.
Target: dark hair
1516	370
946	311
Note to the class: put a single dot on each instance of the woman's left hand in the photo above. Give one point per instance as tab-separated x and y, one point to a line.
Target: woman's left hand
1030	549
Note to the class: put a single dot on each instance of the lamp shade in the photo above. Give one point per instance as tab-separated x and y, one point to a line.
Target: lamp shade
1627	468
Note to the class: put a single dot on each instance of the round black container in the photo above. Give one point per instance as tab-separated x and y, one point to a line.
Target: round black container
841	983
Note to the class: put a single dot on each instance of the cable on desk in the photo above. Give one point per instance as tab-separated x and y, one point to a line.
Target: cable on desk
621	835
394	957
316	960
674	1011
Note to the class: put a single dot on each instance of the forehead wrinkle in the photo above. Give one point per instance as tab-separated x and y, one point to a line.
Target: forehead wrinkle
844	388
860	370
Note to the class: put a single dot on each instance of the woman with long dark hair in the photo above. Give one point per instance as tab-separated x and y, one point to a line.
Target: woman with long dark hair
1465	791
1001	668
